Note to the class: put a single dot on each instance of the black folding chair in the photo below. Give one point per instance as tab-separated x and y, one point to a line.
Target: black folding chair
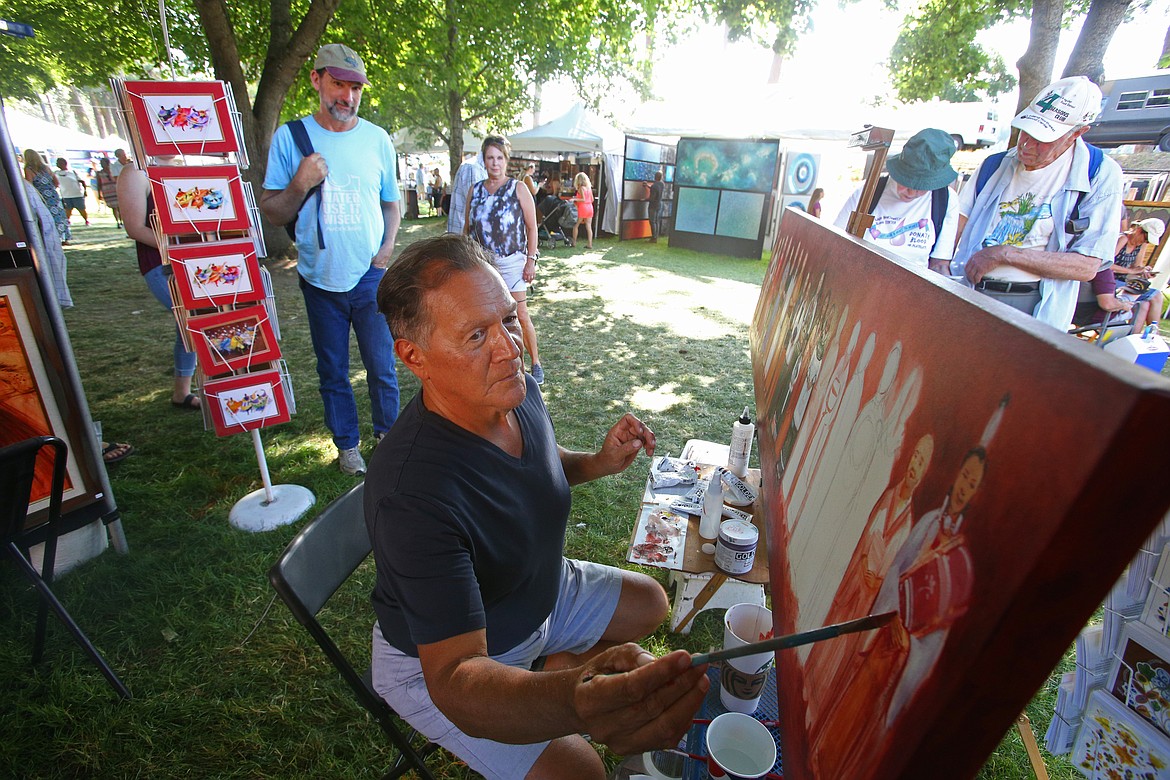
17	473
312	568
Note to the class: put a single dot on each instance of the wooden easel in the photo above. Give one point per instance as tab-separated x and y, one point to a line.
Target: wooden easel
876	140
1024	726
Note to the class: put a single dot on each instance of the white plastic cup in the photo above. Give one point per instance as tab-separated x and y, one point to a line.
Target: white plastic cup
741	680
739	746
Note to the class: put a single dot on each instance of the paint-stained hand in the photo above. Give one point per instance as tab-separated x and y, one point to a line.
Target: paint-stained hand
623	442
632	702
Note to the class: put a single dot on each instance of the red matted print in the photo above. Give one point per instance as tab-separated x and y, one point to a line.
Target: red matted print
182	117
202	199
246	402
216	273
233	340
931	452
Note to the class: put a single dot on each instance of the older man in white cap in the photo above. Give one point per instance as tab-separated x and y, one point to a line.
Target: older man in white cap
1042	217
336	176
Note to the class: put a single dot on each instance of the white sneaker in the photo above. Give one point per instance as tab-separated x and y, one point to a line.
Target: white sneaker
351	462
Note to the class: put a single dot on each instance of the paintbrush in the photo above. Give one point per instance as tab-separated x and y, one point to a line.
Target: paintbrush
795	640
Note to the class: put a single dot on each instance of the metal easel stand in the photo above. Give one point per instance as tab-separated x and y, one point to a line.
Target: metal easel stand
272	506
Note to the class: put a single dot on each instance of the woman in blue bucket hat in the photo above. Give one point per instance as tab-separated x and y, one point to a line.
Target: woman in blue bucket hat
916	214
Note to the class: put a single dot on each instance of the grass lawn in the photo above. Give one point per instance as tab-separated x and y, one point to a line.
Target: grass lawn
226	684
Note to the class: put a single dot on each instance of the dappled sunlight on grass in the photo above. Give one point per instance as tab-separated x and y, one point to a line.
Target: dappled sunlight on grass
689	307
661	398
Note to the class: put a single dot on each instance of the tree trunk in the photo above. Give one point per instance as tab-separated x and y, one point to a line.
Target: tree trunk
454	97
288	50
1103	19
77	101
1035	66
777	65
1164	57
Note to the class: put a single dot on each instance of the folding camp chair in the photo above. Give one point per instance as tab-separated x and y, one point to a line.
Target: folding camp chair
312	568
17	474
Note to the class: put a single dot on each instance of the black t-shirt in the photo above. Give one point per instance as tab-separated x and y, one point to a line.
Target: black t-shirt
465	536
656	191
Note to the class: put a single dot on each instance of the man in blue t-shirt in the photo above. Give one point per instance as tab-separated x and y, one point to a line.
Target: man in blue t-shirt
345	234
489	641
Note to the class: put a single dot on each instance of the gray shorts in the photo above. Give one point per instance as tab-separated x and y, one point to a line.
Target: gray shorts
585	606
511	268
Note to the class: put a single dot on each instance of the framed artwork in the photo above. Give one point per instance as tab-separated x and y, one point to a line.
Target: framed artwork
1115	743
34	399
204	199
1157	608
216	273
233	340
246	402
913	461
1140	678
182	117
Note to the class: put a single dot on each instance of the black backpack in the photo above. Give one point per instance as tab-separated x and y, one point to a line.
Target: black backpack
938	206
305	147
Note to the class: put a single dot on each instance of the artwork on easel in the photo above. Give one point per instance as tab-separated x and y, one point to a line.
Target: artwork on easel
1140	678
205	199
234	340
216	273
1114	743
182	117
247	402
913	461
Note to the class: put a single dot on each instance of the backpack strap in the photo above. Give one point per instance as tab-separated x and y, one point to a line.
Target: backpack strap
305	147
939	200
1096	157
989	166
877	193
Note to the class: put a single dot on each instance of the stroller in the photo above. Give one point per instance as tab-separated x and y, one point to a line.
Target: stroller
557	217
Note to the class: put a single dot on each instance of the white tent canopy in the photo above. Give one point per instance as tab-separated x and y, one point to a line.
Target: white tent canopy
29	132
581	131
577	130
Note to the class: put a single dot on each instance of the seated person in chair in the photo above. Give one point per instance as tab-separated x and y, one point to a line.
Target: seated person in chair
1130	262
490	642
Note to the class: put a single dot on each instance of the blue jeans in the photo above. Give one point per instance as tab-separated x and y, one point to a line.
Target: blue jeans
330	316
157	281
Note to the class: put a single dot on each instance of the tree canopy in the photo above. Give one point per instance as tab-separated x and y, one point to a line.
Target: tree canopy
936	53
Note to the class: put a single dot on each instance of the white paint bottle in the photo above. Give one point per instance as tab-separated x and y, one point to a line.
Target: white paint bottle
712	507
742	433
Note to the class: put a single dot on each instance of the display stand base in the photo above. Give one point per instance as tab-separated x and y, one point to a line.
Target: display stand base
254	512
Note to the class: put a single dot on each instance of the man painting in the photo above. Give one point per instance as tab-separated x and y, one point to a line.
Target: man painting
489	641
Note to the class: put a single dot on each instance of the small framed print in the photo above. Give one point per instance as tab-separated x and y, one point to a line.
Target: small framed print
1140	678
1113	742
233	340
246	402
182	117
216	273
204	199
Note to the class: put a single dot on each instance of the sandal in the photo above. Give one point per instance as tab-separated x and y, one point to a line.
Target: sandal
112	452
188	403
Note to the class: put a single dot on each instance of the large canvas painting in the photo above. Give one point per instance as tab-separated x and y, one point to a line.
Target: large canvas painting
930	452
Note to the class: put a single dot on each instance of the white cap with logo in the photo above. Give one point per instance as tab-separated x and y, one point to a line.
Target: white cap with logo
1060	108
